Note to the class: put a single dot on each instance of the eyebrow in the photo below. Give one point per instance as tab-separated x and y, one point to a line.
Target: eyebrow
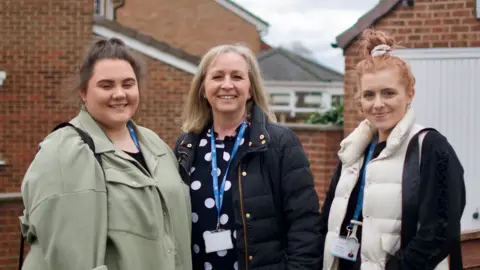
222	71
383	89
388	89
128	79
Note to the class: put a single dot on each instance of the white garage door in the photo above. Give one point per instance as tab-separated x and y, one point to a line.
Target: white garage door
448	99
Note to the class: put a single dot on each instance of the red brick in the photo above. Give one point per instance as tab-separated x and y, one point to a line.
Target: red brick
10	234
322	155
436	7
415	22
459	28
194	28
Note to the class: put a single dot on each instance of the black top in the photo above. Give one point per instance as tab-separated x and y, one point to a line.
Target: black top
138	157
204	212
436	152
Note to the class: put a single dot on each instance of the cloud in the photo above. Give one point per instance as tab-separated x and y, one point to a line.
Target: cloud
314	23
306	5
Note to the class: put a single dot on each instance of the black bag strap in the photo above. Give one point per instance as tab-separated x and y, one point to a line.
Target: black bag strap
89	141
412	183
85	137
22	247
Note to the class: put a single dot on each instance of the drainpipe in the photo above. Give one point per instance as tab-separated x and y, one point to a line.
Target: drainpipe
119	4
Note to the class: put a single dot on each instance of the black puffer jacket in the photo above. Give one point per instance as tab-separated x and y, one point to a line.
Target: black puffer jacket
274	198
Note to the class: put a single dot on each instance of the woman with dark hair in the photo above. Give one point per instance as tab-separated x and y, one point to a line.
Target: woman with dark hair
122	207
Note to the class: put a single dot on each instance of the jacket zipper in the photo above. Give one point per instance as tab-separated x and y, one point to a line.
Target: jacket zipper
243	215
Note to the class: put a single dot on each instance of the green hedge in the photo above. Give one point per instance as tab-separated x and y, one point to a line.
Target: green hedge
333	116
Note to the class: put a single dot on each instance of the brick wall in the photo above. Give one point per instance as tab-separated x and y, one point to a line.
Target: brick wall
192	25
321	145
471	250
427	24
9	234
36	65
161	101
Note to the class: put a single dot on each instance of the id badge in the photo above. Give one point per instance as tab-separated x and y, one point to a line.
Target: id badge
218	240
345	248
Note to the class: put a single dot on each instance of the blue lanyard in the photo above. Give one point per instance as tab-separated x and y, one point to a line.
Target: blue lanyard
218	194
133	135
359	207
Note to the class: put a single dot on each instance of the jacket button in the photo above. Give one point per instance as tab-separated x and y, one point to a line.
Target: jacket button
248	216
189	145
250	257
262	137
250	144
263	142
244	173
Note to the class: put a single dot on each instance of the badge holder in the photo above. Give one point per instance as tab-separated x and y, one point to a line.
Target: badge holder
218	240
347	247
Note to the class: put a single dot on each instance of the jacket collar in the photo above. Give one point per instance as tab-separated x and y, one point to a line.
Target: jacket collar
259	137
103	144
86	122
352	148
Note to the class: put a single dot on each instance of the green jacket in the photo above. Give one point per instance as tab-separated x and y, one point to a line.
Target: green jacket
75	218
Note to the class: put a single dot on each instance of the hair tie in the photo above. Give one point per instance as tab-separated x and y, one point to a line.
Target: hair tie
381	50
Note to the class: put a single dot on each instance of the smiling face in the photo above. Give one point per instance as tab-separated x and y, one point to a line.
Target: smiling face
112	94
384	99
227	84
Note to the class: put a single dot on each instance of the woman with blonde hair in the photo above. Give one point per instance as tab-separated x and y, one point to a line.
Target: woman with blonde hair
254	205
397	197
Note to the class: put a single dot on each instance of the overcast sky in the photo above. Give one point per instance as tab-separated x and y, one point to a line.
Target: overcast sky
315	23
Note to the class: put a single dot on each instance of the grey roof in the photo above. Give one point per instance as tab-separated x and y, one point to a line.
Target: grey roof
282	65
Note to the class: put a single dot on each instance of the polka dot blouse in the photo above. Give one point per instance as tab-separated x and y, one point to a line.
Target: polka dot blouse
204	211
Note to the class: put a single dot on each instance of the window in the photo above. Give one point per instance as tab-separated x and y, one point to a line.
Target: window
337	100
103	8
3	75
477	8
2	160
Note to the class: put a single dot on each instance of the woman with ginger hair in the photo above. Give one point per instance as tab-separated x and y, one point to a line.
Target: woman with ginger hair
254	205
398	194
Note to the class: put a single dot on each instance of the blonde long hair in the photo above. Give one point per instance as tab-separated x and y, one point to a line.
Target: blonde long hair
198	113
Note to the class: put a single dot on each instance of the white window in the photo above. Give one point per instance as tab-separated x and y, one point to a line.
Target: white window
477	8
446	98
3	75
103	8
337	100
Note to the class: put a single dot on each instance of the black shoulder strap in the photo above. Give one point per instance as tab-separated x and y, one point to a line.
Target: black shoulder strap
85	138
89	141
411	183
